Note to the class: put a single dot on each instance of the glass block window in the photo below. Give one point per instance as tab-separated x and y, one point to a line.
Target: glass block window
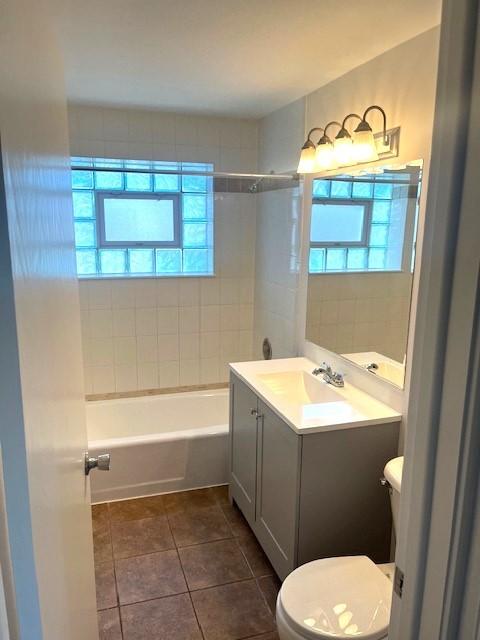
130	221
351	223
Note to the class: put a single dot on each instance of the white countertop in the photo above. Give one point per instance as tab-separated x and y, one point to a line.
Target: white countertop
338	408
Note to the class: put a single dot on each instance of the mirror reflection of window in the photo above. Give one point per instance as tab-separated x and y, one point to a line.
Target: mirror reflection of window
362	251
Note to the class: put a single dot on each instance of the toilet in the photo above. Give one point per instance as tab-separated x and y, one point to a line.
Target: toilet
340	597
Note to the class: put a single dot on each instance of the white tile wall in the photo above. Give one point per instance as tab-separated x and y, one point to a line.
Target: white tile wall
277	270
360	312
154	346
230	143
149	333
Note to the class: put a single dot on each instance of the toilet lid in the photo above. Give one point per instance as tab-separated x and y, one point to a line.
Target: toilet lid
338	598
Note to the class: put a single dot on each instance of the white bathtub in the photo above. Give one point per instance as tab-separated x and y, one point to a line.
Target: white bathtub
159	443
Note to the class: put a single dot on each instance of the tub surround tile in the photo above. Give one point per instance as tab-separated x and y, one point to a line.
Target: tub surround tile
194	526
109	625
170	618
213	564
226	143
117	395
148	577
232	611
139	537
105	585
137	509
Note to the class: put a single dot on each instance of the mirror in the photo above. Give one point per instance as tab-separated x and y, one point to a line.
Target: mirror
362	253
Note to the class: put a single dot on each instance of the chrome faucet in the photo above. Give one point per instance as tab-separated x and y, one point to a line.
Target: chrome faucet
330	376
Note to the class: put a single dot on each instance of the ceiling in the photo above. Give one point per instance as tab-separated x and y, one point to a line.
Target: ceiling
227	57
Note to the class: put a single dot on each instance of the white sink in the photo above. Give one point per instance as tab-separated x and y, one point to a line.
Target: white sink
307	403
388	369
299	386
391	371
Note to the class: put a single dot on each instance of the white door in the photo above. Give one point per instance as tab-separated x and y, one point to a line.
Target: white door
42	416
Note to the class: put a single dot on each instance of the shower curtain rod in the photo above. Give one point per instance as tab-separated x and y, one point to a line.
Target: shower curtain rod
212	174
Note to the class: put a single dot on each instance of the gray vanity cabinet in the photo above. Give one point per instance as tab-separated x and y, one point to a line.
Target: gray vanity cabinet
278	462
309	496
243	440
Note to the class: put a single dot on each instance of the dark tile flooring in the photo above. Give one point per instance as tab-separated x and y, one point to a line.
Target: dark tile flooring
183	566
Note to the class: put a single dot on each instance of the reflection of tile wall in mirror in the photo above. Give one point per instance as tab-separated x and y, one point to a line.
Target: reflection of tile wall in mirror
362	312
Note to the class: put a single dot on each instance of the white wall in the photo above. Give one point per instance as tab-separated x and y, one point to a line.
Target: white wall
148	333
281	134
278	234
141	333
277	255
135	134
403	82
358	312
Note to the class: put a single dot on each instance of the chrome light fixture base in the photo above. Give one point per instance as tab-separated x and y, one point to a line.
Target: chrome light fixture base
388	145
346	149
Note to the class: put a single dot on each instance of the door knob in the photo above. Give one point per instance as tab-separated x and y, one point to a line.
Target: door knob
101	462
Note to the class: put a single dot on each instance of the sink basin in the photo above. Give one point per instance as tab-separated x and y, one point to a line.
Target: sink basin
390	371
307	403
298	387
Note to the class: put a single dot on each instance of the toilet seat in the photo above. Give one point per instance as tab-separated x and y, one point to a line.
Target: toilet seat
337	598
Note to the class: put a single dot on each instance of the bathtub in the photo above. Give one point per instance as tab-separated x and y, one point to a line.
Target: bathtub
159	443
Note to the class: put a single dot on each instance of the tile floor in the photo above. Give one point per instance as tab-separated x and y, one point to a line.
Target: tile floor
183	566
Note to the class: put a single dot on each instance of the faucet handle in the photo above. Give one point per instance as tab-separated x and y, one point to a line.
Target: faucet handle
327	368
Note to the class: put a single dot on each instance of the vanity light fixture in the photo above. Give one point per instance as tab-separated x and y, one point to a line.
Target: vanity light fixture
307	155
348	149
365	147
325	154
343	144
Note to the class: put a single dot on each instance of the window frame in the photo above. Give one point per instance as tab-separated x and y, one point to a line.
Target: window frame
367	222
102	243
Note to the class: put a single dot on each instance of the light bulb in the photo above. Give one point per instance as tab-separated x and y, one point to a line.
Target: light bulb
364	147
343	149
325	156
307	159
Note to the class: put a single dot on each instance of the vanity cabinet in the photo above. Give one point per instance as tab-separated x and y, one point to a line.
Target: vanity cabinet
309	496
243	447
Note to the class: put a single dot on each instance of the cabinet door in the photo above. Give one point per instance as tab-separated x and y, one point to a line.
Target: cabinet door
243	443
277	490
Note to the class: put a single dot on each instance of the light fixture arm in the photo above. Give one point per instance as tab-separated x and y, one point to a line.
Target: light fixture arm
309	142
384	115
309	136
350	115
329	125
344	133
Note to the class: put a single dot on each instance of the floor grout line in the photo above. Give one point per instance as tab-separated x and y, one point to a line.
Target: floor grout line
115	574
188	508
186	584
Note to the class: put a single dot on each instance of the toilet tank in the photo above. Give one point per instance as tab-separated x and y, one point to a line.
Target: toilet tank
393	473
